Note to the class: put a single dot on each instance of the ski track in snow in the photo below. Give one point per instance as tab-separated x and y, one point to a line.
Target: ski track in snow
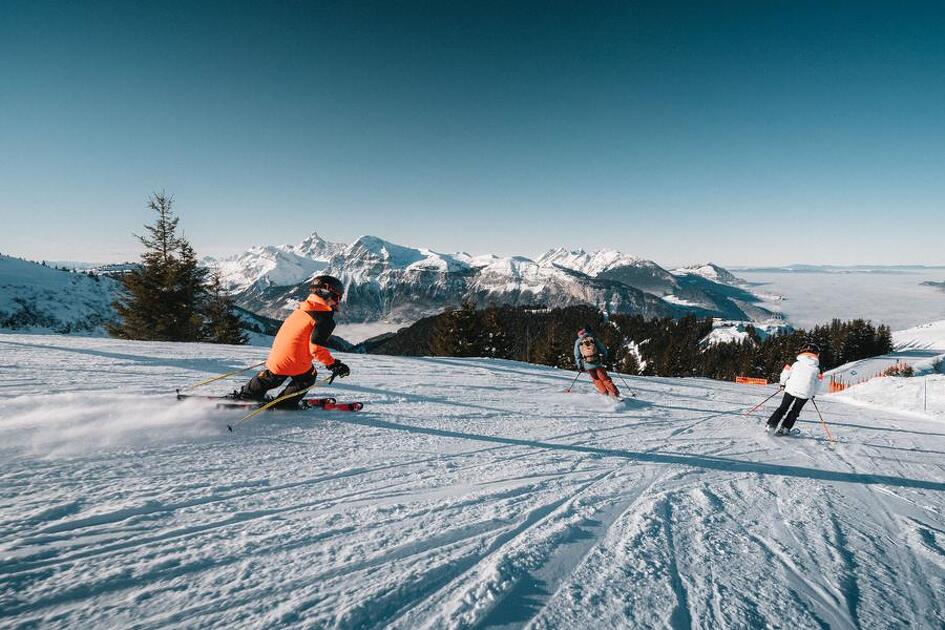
468	493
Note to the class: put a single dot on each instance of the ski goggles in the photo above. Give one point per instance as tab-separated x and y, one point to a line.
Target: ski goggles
328	293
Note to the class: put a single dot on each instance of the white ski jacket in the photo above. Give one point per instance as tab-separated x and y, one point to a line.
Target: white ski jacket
802	379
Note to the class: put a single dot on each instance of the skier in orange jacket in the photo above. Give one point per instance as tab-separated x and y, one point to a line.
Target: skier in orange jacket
300	339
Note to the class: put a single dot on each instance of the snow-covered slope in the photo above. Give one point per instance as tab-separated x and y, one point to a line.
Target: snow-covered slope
37	298
921	395
468	493
925	337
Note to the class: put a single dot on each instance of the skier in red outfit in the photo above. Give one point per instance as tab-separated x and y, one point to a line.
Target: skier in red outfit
589	354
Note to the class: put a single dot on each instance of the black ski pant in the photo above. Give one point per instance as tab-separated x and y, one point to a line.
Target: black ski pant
257	387
788	402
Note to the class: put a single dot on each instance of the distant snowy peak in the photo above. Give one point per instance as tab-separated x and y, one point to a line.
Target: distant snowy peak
275	265
370	253
713	272
266	265
590	263
317	248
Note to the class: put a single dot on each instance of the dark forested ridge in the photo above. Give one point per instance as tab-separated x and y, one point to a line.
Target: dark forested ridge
659	347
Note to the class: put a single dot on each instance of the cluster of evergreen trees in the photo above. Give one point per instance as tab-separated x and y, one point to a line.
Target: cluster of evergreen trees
659	347
170	297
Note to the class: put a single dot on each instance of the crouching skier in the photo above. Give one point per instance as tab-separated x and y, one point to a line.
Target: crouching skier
589	354
301	338
800	382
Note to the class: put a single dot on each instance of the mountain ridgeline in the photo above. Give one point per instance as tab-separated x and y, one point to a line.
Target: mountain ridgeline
390	282
638	345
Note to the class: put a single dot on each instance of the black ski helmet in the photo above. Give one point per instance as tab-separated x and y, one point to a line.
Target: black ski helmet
328	287
811	347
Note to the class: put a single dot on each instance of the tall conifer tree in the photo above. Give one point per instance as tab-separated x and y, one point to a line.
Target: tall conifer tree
166	298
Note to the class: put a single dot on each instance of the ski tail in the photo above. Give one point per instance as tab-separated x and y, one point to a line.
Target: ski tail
347	406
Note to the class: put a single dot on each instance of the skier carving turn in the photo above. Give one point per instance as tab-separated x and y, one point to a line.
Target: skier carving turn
301	338
799	381
589	355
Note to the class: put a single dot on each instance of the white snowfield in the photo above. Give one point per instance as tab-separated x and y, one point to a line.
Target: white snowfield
468	493
923	395
929	336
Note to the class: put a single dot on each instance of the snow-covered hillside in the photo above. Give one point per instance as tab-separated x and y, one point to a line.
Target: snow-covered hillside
37	298
921	395
713	272
467	493
392	283
929	336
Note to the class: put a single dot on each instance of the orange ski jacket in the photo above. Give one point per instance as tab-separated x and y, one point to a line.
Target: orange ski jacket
302	338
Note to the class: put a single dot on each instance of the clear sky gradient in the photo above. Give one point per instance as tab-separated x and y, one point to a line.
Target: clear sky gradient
739	132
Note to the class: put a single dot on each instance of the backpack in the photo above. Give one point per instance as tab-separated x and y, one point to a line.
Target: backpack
589	351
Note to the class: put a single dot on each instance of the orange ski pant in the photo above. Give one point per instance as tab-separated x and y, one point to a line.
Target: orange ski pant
602	382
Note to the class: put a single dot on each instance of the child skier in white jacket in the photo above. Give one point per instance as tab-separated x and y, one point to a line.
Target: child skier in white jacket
800	382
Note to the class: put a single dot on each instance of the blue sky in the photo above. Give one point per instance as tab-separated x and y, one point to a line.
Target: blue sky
741	132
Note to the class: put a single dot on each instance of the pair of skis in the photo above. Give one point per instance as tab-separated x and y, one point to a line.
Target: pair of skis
229	402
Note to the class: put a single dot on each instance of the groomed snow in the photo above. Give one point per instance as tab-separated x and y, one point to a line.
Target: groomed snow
925	337
923	395
468	493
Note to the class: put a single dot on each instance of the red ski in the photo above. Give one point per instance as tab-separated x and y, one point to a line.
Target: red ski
330	404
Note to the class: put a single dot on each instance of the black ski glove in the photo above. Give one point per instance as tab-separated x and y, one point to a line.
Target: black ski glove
339	369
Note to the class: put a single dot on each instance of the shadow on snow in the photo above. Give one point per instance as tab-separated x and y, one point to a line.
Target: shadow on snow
707	462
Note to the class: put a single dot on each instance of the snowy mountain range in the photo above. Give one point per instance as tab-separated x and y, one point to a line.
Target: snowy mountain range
391	282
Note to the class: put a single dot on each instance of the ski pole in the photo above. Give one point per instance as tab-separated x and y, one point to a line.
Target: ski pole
217	378
632	395
762	402
275	401
568	390
822	423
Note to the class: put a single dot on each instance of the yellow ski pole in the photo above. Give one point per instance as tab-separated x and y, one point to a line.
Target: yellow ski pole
278	400
222	376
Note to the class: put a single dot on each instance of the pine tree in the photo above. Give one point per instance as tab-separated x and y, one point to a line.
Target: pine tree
163	299
496	342
457	333
221	324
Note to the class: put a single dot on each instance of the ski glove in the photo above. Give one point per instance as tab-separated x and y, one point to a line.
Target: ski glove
339	369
